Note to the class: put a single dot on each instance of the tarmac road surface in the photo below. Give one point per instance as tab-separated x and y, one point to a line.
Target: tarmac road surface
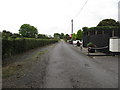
69	68
61	66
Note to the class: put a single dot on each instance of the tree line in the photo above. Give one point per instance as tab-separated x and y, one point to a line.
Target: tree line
27	39
25	31
29	31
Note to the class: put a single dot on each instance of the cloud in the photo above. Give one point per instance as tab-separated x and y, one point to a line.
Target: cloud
119	11
51	16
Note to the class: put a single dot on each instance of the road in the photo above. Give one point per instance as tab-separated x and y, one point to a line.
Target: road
66	66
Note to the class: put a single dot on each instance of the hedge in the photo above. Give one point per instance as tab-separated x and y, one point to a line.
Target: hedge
101	28
12	47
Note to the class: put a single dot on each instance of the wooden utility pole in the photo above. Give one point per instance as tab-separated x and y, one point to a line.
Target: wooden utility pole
72	26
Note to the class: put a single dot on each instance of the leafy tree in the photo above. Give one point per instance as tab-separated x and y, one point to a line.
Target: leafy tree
57	35
6	34
29	31
85	29
79	35
67	37
74	36
108	22
62	36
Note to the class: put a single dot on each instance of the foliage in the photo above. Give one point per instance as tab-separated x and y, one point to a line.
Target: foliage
85	29
79	35
67	37
15	46
57	35
16	35
74	36
108	22
105	24
90	44
42	36
6	34
100	28
62	36
27	30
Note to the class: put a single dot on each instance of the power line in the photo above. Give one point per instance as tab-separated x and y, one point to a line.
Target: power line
76	16
81	9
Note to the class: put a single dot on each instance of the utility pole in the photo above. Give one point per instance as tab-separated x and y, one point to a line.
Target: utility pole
72	26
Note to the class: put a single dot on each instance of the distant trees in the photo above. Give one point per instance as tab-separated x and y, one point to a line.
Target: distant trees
9	35
67	37
57	35
6	34
42	36
16	35
25	31
108	22
62	36
28	31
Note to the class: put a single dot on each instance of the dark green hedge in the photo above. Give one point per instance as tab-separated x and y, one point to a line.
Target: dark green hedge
11	47
85	29
106	29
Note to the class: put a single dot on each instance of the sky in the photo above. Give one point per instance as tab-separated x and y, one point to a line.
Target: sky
54	16
119	11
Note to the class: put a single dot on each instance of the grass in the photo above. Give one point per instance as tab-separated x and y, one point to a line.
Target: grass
19	66
40	53
10	70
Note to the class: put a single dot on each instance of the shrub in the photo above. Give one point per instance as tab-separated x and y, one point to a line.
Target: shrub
90	44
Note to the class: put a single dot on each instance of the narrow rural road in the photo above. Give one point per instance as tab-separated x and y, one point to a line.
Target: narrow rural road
69	68
64	66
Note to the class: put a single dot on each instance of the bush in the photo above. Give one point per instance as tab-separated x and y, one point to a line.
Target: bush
90	44
16	46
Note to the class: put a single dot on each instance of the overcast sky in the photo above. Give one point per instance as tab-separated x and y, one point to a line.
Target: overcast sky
54	16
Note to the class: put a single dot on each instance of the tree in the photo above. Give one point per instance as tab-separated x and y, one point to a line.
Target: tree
27	30
57	35
74	36
85	29
79	35
67	37
15	35
6	34
42	36
108	22
118	23
62	36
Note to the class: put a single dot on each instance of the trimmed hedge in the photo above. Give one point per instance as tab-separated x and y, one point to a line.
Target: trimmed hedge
11	47
101	28
106	29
